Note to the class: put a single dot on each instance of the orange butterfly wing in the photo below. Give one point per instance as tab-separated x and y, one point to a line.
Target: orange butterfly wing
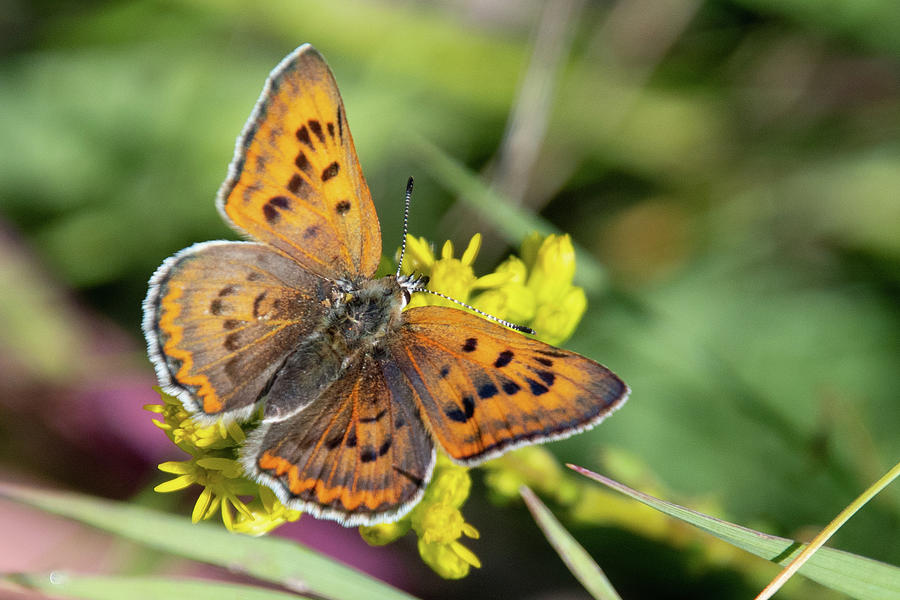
221	317
484	389
359	453
295	181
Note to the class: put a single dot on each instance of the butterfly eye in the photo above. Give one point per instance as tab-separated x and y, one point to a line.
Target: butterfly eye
406	297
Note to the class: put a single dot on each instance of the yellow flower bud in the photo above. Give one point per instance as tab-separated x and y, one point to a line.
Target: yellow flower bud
451	277
554	323
553	269
514	267
513	302
450	486
438	523
529	248
385	533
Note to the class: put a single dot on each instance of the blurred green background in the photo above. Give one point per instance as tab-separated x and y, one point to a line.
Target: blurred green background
733	168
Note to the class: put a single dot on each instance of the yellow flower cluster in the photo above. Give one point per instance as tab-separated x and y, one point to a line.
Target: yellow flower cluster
534	289
438	523
213	466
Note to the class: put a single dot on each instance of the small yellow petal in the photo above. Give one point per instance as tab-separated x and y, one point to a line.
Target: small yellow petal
471	250
447	250
213	506
227	516
174	466
201	505
179	483
491	280
465	554
229	467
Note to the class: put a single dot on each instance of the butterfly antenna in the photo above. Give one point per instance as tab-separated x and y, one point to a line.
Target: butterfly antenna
409	189
413	281
519	328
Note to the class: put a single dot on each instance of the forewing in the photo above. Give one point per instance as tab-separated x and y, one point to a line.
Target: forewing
221	317
484	389
358	454
295	181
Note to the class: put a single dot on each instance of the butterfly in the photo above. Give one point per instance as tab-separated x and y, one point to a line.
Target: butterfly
357	391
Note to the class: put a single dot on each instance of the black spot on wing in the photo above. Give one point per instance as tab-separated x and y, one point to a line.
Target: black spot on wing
552	353
488	390
331	129
303	136
281	202
537	388
231	324
544	361
271	214
316	128
342	207
385	446
340	121
226	291
232	342
368	454
510	387
256	303
503	359
216	307
445	370
272	209
330	171
310	232
470	345
546	376
303	163
465	413
298	186
350	442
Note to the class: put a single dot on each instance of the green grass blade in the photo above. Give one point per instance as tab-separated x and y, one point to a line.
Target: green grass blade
851	574
283	562
570	551
106	587
824	535
512	222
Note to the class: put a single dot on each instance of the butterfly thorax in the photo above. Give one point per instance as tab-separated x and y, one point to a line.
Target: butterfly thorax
361	314
368	310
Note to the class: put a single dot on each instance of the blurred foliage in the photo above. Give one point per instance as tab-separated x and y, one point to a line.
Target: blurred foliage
733	165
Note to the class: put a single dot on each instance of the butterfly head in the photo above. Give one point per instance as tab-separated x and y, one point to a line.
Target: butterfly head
410	284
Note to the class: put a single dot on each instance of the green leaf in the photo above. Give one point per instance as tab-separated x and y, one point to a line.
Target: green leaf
103	587
570	551
283	562
857	576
